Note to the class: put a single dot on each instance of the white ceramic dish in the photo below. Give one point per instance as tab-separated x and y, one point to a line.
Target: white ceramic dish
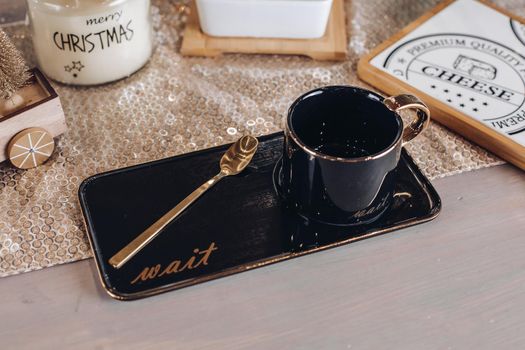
294	19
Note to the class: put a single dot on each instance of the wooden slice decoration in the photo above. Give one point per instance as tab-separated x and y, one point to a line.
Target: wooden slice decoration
30	148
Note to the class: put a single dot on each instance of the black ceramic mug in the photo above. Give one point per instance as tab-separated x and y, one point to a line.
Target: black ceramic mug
342	145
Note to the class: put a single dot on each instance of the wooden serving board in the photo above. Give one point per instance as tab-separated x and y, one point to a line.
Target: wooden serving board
332	46
466	60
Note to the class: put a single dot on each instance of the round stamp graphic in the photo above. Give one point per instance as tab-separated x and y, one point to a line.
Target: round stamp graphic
479	77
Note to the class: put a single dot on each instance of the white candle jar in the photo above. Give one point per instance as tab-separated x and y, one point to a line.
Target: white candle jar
87	42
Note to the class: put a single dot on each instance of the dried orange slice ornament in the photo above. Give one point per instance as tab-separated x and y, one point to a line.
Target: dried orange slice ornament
30	148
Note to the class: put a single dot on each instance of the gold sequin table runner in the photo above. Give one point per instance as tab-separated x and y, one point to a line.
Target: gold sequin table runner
176	105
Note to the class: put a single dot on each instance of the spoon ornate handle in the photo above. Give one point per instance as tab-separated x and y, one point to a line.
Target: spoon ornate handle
151	232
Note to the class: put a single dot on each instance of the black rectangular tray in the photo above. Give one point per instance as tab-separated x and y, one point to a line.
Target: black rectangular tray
238	225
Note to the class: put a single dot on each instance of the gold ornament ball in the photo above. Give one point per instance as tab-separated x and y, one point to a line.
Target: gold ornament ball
12	104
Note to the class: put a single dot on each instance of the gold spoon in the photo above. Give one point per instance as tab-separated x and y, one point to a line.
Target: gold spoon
236	158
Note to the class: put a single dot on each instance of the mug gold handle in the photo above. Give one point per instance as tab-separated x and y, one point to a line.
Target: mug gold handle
405	101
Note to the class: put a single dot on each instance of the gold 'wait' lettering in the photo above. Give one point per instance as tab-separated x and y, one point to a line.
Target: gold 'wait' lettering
149	273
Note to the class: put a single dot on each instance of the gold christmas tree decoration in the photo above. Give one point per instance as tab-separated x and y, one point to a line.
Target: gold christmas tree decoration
14	74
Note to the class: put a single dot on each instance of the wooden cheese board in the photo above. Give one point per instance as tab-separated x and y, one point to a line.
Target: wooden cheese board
466	60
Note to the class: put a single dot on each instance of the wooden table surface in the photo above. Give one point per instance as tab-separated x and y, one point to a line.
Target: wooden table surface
455	283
